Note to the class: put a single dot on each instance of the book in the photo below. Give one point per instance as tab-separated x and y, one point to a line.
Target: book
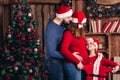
117	26
99	26
114	26
110	26
105	27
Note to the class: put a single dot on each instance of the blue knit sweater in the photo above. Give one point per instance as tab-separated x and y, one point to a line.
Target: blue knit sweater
53	37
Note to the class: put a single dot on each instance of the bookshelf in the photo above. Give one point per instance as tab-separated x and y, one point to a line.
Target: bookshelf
99	16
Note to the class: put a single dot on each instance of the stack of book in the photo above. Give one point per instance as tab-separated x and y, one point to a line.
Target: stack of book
110	26
95	26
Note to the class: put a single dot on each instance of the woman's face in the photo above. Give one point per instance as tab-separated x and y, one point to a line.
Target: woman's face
90	46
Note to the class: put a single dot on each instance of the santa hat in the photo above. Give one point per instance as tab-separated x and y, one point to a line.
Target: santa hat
64	11
79	17
94	41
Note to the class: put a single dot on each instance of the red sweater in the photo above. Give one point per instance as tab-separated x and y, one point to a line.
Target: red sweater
105	66
71	44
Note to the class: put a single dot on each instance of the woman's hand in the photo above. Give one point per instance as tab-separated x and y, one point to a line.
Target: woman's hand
80	65
76	54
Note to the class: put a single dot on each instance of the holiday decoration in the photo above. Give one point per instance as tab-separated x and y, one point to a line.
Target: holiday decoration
23	57
98	10
67	2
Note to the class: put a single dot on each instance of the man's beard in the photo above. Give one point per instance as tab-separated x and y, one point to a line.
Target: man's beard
66	24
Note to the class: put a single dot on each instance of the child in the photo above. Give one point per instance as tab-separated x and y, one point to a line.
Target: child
98	66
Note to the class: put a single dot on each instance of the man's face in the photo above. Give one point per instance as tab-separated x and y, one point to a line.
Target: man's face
67	19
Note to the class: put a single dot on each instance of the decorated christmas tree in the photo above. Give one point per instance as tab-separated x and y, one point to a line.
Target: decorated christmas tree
23	55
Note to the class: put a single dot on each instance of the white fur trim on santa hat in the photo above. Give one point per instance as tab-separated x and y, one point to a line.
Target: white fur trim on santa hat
80	26
96	45
66	14
74	20
90	40
83	21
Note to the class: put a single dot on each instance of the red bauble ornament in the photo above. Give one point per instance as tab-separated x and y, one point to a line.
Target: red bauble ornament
44	74
31	17
31	61
20	24
29	38
23	52
30	50
5	49
7	44
12	59
39	49
23	39
35	31
18	4
19	19
19	14
13	48
36	73
23	8
17	36
8	29
39	65
26	65
34	37
31	26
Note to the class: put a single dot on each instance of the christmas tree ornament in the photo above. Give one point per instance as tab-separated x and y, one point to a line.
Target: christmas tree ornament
29	14
30	71
36	56
9	36
19	14
3	72
24	71
35	49
12	48
16	68
7	54
10	40
23	38
8	29
29	29
19	19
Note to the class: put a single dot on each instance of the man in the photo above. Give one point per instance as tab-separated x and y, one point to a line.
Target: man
53	36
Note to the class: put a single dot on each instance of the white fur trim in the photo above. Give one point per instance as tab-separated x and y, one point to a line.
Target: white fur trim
90	40
74	20
96	46
97	66
66	14
83	21
80	26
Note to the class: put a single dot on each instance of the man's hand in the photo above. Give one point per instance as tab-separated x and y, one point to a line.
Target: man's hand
76	54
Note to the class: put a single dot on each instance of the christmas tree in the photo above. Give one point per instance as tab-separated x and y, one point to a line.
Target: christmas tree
23	57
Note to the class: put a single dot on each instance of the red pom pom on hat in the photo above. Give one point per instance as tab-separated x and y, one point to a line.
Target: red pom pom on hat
64	11
79	17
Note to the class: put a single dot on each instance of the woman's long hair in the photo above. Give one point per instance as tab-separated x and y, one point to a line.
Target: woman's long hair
75	30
